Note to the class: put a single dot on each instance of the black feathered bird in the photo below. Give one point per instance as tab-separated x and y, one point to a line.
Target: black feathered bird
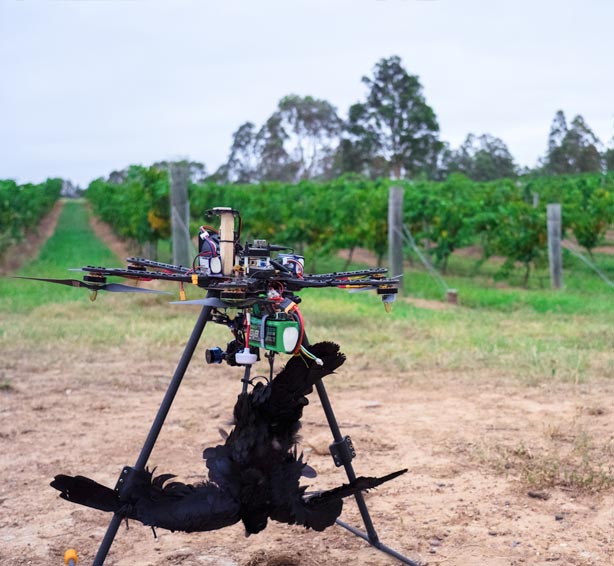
253	476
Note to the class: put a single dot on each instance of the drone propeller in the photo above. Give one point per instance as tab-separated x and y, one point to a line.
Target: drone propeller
95	286
356	286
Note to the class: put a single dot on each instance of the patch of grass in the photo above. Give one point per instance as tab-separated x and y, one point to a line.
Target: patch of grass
522	345
574	460
525	345
584	292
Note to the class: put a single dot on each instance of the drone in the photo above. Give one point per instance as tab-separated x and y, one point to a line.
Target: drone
258	279
251	288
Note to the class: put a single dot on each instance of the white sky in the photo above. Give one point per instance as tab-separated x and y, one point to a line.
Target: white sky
90	86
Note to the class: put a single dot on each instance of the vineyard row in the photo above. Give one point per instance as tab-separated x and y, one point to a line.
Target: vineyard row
506	217
22	207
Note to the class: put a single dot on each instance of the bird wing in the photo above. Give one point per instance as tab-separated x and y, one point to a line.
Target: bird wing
320	510
85	491
174	506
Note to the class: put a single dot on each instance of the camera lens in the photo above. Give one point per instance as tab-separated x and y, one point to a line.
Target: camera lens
214	355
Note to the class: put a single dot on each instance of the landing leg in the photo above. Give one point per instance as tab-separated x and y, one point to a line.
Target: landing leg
343	453
150	441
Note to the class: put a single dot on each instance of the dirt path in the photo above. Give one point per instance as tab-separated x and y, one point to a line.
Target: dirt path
103	231
28	249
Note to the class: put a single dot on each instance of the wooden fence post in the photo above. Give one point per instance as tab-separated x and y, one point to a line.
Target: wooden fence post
555	256
395	232
180	213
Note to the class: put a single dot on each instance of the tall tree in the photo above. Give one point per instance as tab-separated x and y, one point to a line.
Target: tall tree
556	160
242	163
573	149
395	124
274	162
558	131
583	147
313	129
298	141
482	158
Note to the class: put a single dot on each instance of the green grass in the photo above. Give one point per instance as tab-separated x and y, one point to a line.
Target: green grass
584	292
533	335
522	344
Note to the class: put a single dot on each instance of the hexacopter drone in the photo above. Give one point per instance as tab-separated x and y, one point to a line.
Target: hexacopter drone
244	277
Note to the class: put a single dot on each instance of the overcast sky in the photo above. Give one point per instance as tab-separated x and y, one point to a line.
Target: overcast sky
90	86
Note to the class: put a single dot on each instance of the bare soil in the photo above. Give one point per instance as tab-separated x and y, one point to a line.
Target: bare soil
462	501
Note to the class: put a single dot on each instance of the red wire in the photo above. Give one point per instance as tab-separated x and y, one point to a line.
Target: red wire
247	330
301	322
299	268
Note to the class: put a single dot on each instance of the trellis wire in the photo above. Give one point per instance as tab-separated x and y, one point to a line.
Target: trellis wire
570	247
407	236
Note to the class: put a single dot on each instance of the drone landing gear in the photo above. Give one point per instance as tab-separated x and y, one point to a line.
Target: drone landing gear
341	449
122	486
343	453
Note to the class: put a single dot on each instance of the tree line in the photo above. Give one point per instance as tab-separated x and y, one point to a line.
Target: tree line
393	132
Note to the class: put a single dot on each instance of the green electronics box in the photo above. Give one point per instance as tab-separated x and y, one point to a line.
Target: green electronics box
278	333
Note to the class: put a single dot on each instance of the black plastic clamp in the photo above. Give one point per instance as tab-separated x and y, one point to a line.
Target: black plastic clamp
125	484
342	451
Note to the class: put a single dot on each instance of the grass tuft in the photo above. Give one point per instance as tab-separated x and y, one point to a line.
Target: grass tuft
568	458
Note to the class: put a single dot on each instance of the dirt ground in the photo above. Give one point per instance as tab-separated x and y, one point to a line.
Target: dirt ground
89	415
464	501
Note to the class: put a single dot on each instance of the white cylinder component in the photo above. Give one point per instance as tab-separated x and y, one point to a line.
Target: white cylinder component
246	358
227	245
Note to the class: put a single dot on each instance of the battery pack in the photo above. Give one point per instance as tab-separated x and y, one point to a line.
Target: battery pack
276	334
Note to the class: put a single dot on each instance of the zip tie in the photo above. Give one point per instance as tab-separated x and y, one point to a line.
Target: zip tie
263	330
